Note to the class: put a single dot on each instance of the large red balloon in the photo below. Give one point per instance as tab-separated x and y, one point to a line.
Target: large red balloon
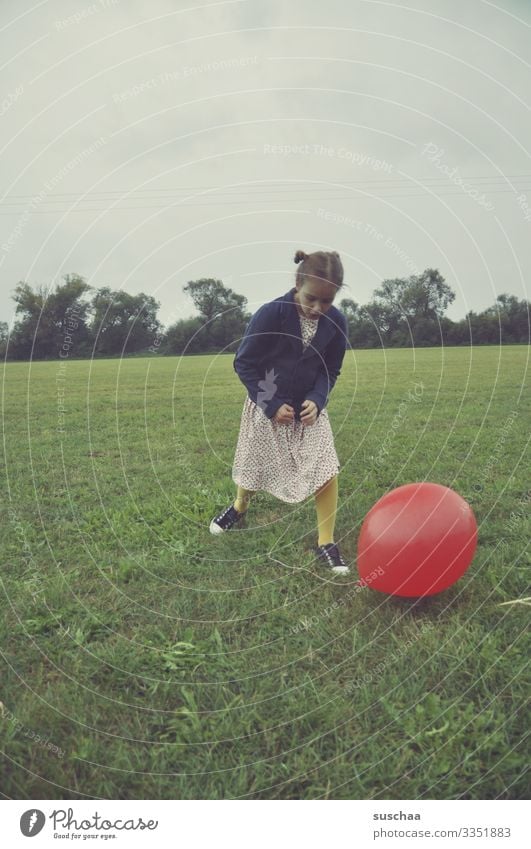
421	537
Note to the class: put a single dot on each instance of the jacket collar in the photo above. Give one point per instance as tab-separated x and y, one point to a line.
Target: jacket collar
290	325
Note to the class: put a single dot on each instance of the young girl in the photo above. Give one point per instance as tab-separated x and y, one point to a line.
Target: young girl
288	360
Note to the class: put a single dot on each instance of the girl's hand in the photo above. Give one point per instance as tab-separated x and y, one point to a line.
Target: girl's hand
284	414
309	412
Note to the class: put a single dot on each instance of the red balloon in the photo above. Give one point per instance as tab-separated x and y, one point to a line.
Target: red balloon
417	540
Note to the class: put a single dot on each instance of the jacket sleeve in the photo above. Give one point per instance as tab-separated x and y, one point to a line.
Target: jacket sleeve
255	342
331	367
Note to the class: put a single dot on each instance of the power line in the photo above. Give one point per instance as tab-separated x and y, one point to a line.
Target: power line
289	185
256	200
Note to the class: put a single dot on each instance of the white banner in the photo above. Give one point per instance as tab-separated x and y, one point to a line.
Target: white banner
263	824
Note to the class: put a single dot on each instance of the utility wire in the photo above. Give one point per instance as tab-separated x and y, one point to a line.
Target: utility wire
392	183
186	203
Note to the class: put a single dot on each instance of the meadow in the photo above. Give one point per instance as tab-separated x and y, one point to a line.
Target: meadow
142	657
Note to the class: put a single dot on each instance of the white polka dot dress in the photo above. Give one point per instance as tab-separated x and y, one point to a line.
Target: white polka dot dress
289	461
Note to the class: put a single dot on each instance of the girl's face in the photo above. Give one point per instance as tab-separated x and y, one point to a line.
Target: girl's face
315	297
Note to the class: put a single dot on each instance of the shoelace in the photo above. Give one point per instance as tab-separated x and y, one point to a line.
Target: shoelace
331	561
222	516
329	558
222	519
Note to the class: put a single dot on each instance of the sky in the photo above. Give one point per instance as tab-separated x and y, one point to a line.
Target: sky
144	145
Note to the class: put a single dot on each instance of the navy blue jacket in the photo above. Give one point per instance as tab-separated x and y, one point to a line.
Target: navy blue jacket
272	365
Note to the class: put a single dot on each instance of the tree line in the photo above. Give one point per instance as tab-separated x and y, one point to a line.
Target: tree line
76	320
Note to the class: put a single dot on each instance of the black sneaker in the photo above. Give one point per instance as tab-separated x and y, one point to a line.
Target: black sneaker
329	554
226	520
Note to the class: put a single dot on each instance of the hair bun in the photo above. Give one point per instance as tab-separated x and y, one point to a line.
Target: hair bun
300	255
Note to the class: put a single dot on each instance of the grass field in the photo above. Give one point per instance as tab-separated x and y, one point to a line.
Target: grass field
163	662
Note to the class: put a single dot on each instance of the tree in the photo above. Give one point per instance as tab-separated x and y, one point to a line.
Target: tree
403	312
512	317
428	295
409	310
483	329
123	323
427	332
419	296
4	336
350	309
183	337
364	324
384	317
46	315
221	311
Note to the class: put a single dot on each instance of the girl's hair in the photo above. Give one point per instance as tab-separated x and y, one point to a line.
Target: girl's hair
320	265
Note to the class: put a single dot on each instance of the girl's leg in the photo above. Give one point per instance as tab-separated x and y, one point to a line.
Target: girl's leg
242	499
326	505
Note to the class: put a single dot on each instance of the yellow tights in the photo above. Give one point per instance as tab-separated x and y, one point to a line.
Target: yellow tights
325	502
326	505
242	499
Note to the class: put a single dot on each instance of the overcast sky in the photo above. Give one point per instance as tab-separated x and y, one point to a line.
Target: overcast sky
148	144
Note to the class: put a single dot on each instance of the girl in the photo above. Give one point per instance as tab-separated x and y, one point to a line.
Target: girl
288	360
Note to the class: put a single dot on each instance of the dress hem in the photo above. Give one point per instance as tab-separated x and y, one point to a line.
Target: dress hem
254	488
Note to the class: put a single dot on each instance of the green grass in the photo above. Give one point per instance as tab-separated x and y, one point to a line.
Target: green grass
168	663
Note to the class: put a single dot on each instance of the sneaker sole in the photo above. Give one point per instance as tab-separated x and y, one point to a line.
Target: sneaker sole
341	570
338	570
